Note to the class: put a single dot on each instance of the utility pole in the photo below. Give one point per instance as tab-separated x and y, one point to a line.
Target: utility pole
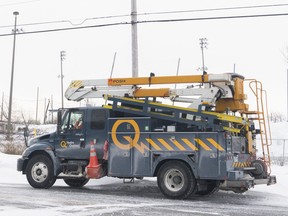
2	106
112	69
44	119
62	58
52	111
283	158
9	126
203	43
46	110
177	72
134	38
37	101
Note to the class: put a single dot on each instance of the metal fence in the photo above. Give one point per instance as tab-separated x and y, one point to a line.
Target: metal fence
278	151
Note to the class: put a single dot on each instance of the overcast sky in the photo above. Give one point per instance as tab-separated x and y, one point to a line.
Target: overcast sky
254	45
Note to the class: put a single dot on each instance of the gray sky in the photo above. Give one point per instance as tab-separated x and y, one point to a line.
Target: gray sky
254	45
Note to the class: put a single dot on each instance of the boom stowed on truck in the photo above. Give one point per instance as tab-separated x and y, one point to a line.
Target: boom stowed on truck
211	144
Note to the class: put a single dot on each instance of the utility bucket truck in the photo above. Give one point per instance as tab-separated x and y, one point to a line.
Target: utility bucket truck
206	145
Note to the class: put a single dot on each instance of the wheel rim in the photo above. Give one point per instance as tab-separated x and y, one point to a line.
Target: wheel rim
39	172
174	180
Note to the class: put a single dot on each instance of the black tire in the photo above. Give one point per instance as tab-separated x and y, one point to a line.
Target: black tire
39	172
260	171
176	180
76	182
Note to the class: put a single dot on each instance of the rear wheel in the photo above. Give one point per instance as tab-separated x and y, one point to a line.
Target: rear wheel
176	180
39	172
260	171
76	182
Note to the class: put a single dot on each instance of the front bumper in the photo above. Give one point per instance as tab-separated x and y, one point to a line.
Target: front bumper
20	164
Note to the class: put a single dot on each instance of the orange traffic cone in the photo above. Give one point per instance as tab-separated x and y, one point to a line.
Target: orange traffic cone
93	169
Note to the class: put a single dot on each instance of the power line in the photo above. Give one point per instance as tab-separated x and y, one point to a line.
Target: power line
103	17
152	21
213	9
143	14
18	3
68	21
67	29
214	18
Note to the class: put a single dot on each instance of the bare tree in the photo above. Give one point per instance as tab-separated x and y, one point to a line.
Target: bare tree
276	117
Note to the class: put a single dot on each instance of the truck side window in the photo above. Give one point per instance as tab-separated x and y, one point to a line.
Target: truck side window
98	119
73	120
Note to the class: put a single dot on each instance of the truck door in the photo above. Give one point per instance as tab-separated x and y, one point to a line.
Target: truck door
96	130
71	140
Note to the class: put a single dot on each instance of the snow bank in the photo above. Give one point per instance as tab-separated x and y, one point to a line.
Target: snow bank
8	168
281	187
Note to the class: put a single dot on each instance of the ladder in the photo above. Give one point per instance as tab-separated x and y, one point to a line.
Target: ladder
197	117
261	115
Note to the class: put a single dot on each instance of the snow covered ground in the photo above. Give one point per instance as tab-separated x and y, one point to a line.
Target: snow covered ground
109	196
281	188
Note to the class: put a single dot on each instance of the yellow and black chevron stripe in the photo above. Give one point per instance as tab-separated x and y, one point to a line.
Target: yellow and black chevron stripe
184	144
241	164
181	144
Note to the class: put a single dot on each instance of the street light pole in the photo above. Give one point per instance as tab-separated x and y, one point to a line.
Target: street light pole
9	126
283	157
203	43
62	58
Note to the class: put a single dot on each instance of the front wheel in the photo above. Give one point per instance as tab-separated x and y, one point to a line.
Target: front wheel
176	180
39	172
76	182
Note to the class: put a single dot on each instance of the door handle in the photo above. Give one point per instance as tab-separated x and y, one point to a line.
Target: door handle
79	134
